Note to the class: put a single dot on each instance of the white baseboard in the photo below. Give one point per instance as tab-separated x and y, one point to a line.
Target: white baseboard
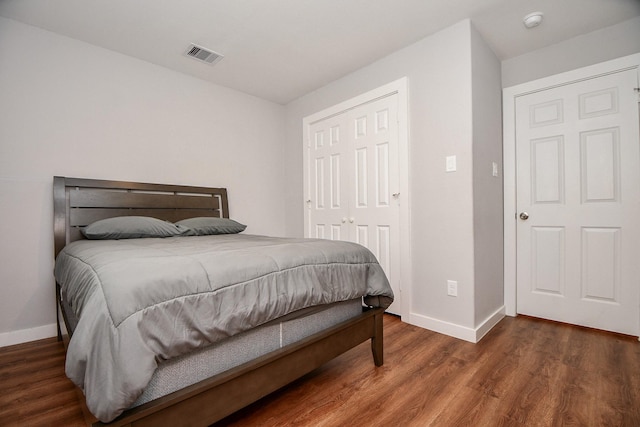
489	323
26	335
457	331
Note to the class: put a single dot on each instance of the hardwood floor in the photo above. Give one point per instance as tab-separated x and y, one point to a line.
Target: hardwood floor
34	388
525	372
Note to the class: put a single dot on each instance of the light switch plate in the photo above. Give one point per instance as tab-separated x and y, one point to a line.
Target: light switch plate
452	288
451	164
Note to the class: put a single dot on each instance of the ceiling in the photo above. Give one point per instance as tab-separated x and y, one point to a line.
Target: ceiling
280	50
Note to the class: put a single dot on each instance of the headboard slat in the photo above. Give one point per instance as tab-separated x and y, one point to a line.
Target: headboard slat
100	198
83	217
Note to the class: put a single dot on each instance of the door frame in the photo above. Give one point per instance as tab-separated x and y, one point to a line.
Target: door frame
509	96
400	88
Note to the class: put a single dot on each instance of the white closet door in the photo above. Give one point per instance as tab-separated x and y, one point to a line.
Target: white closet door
353	181
328	158
578	200
374	206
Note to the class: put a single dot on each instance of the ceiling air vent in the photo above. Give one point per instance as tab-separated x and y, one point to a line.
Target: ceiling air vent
203	54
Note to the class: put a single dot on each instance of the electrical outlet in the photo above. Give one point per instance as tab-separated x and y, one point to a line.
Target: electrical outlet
450	164
452	288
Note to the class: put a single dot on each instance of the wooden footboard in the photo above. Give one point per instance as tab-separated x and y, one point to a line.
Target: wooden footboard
213	399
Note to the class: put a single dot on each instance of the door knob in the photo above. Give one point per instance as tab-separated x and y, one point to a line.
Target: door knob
344	219
351	219
524	216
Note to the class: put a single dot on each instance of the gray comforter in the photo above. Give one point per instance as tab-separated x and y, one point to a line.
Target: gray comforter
141	301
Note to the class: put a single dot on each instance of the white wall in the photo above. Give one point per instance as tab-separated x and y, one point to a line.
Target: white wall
439	71
598	46
487	189
70	108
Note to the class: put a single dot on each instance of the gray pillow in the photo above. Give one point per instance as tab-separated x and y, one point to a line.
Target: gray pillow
131	227
203	226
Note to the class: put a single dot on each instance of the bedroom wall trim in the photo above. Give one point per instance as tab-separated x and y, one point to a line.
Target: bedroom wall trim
472	335
509	155
487	324
26	335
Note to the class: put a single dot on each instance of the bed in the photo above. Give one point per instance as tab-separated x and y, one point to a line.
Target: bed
216	367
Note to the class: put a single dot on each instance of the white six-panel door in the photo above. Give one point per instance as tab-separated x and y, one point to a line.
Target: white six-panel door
329	186
353	179
578	203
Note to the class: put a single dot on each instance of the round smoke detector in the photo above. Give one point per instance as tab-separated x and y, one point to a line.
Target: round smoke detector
533	19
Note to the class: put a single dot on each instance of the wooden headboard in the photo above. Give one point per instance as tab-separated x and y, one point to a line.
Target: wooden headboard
78	202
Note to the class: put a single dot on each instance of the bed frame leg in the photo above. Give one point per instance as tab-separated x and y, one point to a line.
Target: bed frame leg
58	324
58	311
376	340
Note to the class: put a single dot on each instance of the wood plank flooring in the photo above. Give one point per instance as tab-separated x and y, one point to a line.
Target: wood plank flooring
525	372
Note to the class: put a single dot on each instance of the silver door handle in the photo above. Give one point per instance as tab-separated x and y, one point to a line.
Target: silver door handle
524	216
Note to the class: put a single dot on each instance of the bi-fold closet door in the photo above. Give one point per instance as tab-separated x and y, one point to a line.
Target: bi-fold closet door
353	179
